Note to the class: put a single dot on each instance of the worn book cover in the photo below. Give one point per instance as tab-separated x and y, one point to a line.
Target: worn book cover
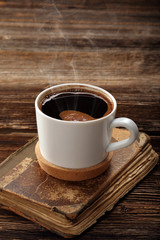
65	207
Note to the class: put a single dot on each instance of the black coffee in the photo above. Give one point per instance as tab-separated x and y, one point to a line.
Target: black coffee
75	106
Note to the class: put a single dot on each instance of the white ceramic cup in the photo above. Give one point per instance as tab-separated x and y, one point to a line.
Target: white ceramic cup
75	144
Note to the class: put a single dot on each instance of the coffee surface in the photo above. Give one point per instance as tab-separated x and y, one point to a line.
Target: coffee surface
72	115
75	106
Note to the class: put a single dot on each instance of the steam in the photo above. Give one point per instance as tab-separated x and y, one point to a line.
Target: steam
53	39
57	10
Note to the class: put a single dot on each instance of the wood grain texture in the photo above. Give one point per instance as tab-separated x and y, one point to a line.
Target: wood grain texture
112	44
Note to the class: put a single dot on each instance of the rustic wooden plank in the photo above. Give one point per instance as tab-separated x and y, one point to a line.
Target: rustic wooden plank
112	44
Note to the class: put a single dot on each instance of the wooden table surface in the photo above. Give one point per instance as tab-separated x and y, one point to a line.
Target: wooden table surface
111	44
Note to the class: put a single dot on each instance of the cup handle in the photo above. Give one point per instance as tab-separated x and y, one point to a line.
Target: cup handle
131	126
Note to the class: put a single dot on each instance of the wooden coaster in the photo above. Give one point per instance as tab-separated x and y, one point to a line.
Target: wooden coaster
72	174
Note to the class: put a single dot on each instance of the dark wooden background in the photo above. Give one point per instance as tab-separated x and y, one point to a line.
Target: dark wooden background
112	44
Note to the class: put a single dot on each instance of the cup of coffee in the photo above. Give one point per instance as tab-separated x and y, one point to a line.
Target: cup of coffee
75	123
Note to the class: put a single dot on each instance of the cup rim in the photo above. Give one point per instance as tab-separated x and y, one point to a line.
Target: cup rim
43	93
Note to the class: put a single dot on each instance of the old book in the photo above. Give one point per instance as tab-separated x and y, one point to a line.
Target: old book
65	207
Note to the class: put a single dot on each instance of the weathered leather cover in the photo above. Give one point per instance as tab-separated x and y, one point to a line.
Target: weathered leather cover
63	205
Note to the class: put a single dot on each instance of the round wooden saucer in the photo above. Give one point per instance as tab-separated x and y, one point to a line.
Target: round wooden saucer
72	174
